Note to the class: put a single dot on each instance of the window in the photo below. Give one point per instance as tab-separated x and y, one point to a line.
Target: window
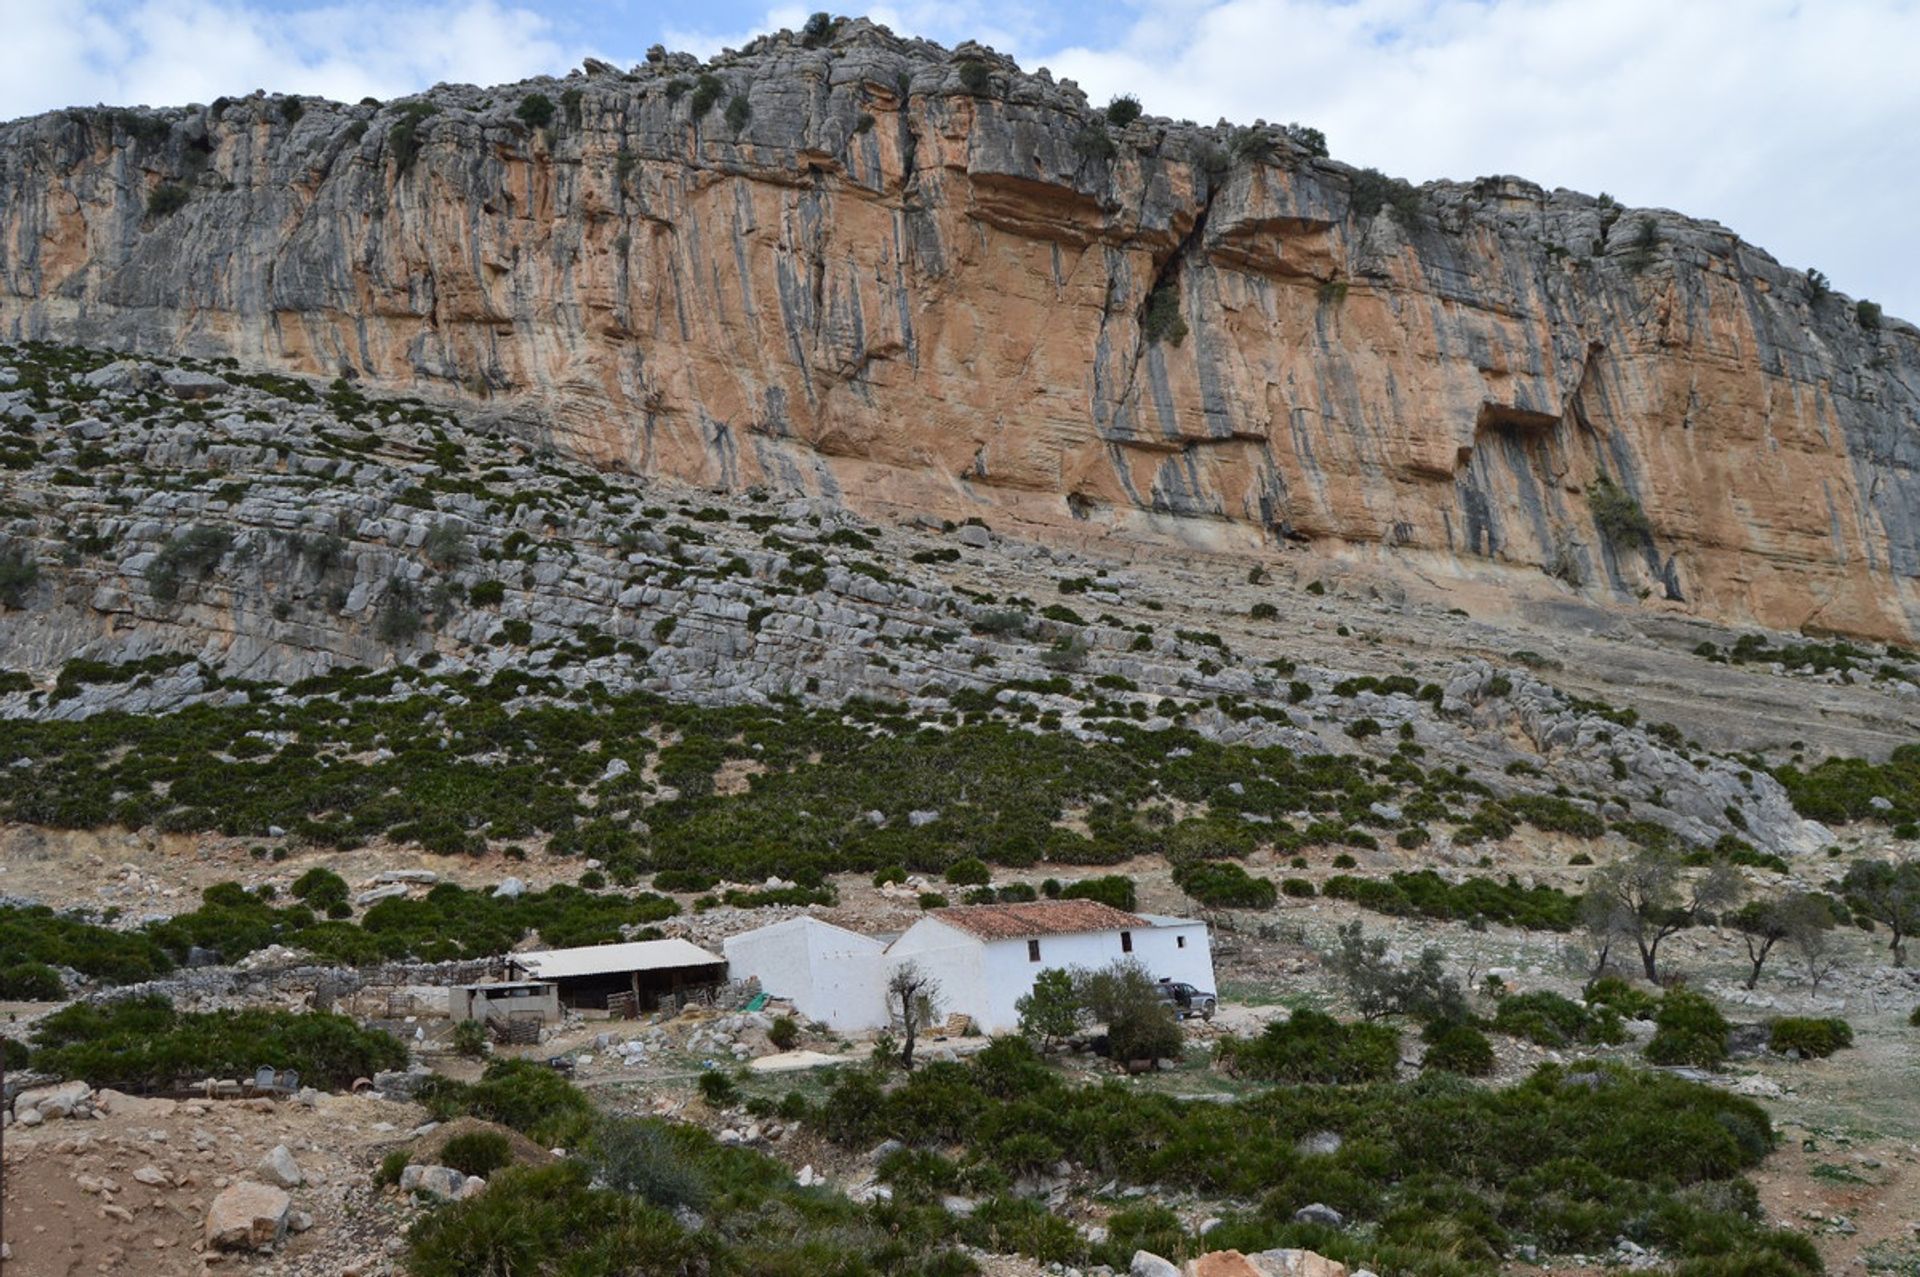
1126	942
1179	942
1033	951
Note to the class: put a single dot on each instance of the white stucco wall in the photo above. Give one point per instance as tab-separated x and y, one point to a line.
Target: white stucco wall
830	974
985	979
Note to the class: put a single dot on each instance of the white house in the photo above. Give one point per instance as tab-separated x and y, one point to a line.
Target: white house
984	956
830	974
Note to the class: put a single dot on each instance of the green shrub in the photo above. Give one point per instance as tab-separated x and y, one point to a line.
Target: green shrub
320	887
1812	1037
1458	1047
975	77
707	91
1298	888
403	138
19	573
932	900
1868	314
189	555
649	1159
34	936
470	1041
528	1096
1688	1030
1616	514
143	1044
1123	110
477	1152
738	112
535	110
1163	320
31	982
1312	1046
1116	890
1374	191
969	872
718	1089
392	1166
1546	1018
1631	1003
487	594
784	1033
1224	884
167	199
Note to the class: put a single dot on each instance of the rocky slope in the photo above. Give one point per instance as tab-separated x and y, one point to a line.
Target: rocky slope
194	535
903	278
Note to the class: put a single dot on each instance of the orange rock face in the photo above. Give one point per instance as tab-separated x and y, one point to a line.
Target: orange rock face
873	284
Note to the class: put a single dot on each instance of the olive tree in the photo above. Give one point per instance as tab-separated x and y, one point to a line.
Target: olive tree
913	997
1649	896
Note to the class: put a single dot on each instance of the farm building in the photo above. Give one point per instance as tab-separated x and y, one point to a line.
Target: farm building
984	956
506	1000
638	976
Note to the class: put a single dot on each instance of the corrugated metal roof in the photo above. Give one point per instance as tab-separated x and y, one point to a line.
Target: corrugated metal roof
601	959
1040	918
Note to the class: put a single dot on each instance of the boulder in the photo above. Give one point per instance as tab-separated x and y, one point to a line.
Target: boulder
1267	1263
277	1167
1148	1264
1317	1213
248	1216
442	1182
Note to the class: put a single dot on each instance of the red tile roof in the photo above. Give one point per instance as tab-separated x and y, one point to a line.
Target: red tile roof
1040	918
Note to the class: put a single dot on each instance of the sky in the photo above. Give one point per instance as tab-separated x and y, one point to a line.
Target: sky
1794	122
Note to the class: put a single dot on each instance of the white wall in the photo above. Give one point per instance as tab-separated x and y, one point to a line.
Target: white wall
830	974
985	979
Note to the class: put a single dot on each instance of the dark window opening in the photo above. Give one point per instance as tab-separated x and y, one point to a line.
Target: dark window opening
1126	942
1033	951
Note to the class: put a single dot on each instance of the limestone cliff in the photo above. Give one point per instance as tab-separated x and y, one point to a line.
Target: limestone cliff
917	280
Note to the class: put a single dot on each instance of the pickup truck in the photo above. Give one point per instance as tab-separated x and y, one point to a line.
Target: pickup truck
1187	1000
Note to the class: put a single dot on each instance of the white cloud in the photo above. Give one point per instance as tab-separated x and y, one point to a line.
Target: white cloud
168	52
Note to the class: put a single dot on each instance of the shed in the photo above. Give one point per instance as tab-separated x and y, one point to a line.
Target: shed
648	971
505	1000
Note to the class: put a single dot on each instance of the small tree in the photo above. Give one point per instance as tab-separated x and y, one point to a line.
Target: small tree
913	995
1817	952
1888	894
1378	987
1123	110
535	110
1051	1011
1765	923
1125	997
1647	897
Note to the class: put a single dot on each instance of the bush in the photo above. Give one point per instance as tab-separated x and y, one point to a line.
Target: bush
1123	110
1374	191
1163	321
470	1042
529	1097
167	199
1458	1047
738	112
320	887
1868	314
1616	514
1297	888
487	594
19	572
31	982
707	90
1547	1019
649	1160
1688	1030
932	900
391	1168
1224	885
718	1090
975	77
1811	1037
477	1152
403	139
535	110
1631	1003
1312	1046
1124	996
784	1032
143	1044
1109	889
970	872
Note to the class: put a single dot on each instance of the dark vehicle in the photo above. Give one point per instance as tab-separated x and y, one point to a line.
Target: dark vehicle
1187	1000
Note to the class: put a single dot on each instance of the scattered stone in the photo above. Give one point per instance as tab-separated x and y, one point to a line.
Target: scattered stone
247	1216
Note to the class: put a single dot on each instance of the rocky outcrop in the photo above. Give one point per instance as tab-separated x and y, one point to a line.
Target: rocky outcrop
912	279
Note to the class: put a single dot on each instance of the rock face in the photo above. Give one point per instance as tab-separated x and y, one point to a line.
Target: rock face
841	271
